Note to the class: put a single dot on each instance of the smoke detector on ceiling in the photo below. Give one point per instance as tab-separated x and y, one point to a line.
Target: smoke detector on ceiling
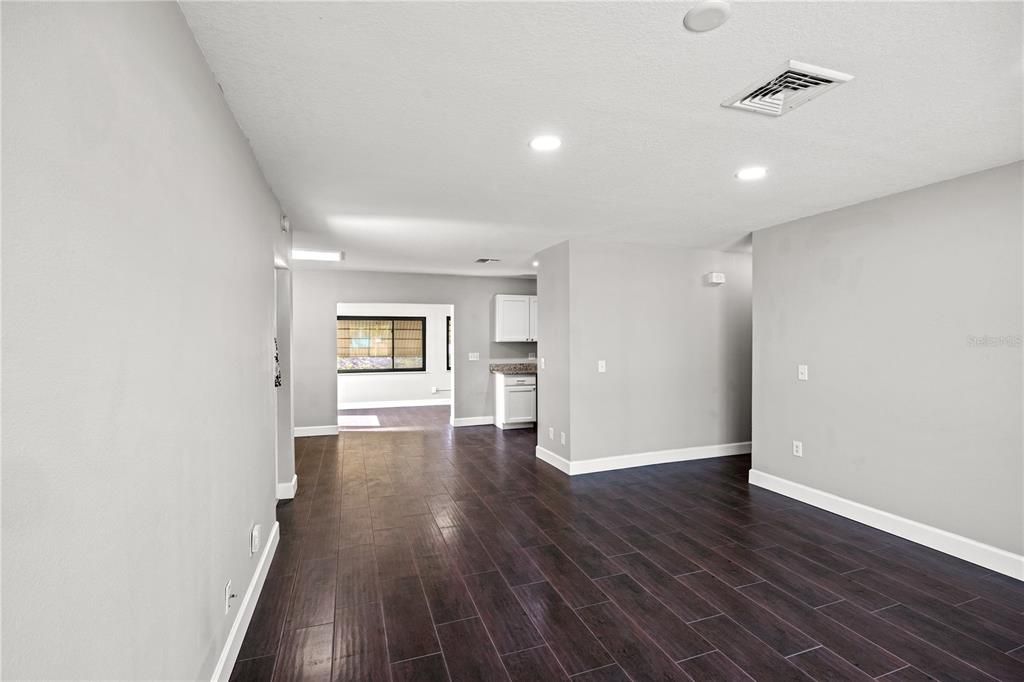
707	16
487	260
795	84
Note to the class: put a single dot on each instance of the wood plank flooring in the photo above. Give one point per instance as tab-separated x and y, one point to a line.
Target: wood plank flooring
415	551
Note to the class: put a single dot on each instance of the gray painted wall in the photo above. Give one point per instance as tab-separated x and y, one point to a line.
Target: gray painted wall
677	350
317	293
553	314
901	411
138	318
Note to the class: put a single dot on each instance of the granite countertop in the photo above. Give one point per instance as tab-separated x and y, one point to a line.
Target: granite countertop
513	367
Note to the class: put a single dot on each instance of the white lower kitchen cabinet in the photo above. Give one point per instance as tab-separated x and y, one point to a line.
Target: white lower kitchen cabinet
515	400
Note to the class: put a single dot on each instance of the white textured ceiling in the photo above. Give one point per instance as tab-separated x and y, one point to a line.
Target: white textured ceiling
399	132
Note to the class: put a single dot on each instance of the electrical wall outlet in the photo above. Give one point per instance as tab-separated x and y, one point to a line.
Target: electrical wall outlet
601	366
801	372
474	356
433	389
551	433
563	437
798	448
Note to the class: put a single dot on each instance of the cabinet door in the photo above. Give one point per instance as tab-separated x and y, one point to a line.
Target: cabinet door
533	318
512	318
520	404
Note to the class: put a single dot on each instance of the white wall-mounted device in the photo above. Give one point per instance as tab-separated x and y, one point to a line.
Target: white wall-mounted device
714	278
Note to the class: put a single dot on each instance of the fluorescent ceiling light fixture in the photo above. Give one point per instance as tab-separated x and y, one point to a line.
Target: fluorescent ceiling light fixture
752	173
545	143
306	254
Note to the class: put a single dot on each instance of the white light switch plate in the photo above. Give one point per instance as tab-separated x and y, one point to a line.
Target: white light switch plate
542	363
474	356
801	372
563	437
601	366
551	433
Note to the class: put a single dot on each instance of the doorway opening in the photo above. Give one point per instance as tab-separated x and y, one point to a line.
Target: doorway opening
396	365
284	432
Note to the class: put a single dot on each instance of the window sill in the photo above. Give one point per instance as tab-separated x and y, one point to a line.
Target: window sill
382	374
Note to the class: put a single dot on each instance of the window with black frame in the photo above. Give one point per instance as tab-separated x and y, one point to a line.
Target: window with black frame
381	344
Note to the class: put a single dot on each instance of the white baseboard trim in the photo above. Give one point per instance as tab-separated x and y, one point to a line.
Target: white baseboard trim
229	654
979	553
303	431
640	459
555	460
374	404
286	491
515	425
471	421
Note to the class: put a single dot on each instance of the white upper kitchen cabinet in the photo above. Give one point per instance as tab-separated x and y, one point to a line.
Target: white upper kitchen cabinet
515	317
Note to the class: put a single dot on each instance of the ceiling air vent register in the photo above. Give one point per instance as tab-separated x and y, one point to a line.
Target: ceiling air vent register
796	84
487	260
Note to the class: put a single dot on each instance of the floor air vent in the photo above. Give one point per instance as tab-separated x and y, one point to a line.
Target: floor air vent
796	84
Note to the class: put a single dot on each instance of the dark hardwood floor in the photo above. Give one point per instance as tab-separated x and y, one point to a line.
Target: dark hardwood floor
414	551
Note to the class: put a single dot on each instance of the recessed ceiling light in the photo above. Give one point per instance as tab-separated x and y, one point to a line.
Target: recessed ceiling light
545	143
752	173
536	263
707	16
306	254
